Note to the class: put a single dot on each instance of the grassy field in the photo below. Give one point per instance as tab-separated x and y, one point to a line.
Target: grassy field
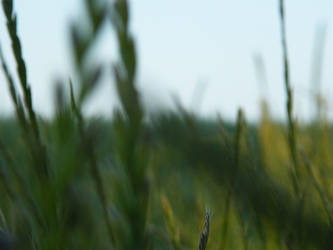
167	180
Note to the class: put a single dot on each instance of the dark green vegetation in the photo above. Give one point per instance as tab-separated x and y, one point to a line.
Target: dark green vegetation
144	181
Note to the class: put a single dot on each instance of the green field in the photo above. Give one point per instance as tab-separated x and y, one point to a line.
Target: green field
168	180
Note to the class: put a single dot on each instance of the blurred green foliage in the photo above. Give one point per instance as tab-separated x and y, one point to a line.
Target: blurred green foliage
144	181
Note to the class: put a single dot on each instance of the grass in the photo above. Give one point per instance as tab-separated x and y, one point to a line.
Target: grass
141	181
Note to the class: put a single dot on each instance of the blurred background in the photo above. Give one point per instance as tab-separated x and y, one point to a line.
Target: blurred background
145	178
213	56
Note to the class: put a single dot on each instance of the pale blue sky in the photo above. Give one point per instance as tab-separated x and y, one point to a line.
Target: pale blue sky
184	45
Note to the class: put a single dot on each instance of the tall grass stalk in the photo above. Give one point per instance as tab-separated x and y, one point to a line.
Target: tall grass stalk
289	106
132	192
40	154
82	44
292	139
25	131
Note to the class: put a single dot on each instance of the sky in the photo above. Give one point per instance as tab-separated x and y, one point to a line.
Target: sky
199	52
